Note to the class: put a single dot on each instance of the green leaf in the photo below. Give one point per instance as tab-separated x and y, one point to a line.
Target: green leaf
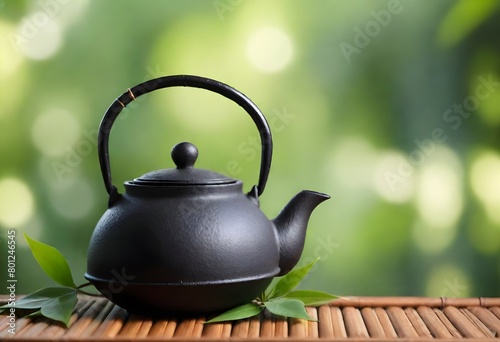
288	308
239	312
52	262
290	281
311	297
270	289
56	303
35	314
41	297
61	308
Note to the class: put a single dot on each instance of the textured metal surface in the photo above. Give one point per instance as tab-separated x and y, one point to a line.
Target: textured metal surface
382	319
181	243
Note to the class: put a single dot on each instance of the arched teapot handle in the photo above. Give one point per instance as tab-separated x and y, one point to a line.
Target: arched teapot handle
184	81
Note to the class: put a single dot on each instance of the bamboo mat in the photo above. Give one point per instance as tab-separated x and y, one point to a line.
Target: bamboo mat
351	318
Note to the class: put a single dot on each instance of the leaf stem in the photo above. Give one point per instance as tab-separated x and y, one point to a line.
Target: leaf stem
79	289
90	294
84	285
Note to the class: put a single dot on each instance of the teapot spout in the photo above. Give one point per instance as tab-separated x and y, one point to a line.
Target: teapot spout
291	226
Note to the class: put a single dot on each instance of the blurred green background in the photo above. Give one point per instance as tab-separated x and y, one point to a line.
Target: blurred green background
391	107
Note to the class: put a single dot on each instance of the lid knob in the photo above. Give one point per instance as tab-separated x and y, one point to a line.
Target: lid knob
184	155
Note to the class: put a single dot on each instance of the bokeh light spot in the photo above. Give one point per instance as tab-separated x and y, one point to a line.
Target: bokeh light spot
439	192
10	61
74	11
16	202
12	73
38	36
485	182
439	201
269	49
448	280
353	163
54	131
72	199
390	181
432	240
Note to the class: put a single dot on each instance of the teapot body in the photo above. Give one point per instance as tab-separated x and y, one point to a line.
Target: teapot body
187	238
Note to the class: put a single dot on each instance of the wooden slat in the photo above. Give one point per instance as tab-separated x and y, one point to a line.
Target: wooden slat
213	330
417	323
446	322
22	324
496	311
339	330
43	328
131	327
440	302
158	328
198	327
34	328
433	323
240	328
226	330
254	327
54	331
145	328
192	328
4	323
298	328
477	323
170	329
136	326
280	327
217	330
386	323
88	315
312	327
267	328
92	326
401	323
355	326
58	330
372	323
325	325
462	323
113	323
185	328
488	318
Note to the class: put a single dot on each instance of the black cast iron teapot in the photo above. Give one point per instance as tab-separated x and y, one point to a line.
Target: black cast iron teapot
186	239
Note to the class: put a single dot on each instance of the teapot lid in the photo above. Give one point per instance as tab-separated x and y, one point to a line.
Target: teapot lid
184	156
